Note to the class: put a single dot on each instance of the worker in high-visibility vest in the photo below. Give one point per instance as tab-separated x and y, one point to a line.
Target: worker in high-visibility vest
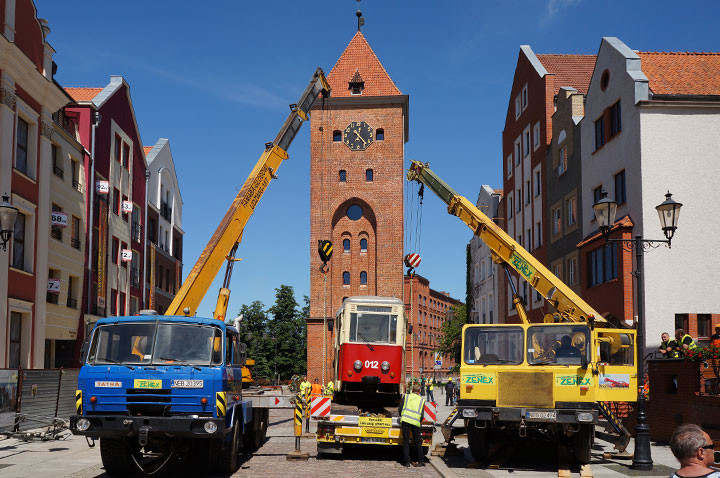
667	346
412	409
429	389
684	341
330	389
304	388
316	390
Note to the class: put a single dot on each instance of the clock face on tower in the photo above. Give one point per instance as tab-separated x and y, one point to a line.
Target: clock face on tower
358	135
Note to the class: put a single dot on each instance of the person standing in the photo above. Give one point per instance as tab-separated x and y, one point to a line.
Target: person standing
715	338
693	448
411	411
330	389
316	390
684	342
304	388
667	346
448	391
429	389
422	385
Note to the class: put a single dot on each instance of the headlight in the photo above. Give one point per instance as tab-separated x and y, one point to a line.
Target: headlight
210	427
584	417
358	365
469	413
385	366
82	424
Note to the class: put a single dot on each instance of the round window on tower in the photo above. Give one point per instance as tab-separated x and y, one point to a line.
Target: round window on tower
354	212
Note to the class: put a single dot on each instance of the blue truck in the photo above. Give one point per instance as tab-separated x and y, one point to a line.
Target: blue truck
152	387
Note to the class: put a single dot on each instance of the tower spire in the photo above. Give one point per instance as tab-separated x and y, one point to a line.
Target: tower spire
361	19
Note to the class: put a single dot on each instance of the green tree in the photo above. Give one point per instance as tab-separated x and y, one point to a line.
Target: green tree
286	332
451	337
254	333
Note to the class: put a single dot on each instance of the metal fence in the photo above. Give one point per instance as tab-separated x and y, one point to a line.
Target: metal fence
40	395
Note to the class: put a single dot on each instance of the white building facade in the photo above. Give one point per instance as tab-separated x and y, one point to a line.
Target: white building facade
484	272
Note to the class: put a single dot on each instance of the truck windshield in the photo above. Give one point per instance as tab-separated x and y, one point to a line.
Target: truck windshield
493	345
558	344
373	326
188	344
124	343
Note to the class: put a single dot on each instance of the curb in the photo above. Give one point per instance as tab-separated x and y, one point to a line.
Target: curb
442	468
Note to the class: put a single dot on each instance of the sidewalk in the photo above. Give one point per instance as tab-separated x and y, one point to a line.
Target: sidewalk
20	459
537	459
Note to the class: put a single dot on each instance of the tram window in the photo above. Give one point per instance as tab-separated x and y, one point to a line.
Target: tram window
393	328
372	328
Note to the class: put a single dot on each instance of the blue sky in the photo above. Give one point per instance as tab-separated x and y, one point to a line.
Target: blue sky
216	78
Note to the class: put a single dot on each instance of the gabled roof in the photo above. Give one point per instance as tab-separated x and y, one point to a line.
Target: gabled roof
359	56
146	150
569	70
682	73
83	95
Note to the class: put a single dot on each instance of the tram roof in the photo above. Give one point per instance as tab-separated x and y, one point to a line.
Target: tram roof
371	299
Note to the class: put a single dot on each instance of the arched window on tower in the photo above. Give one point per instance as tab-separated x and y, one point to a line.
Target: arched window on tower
346	278
342	175
337	135
369	175
346	245
363	245
363	278
379	134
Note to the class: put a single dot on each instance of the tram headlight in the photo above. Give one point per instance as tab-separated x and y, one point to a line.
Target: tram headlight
82	424
357	365
385	366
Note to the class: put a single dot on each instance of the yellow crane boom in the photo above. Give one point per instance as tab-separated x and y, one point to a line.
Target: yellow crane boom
506	250
228	234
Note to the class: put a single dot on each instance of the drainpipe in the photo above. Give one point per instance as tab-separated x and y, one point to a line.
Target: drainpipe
95	123
144	232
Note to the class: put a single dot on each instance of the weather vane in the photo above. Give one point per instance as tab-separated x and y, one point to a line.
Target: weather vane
358	14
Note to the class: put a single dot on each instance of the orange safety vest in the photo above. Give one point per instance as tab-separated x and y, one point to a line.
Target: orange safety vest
316	390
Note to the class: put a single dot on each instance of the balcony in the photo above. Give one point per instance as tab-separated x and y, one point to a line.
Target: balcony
58	172
166	211
51	298
74	242
56	233
72	303
78	187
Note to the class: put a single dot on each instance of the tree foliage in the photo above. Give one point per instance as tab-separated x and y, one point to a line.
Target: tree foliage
451	337
276	337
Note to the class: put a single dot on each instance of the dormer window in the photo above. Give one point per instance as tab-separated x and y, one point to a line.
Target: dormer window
356	85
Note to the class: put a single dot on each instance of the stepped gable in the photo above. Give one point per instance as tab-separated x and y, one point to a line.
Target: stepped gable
682	73
360	58
83	94
570	70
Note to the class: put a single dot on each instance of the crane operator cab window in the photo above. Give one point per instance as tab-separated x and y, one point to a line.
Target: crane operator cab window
493	345
616	348
558	345
373	325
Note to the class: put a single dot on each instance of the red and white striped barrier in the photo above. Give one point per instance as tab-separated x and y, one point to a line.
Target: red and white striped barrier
430	412
320	407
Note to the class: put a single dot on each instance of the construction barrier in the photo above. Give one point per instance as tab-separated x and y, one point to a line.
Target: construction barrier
430	412
320	407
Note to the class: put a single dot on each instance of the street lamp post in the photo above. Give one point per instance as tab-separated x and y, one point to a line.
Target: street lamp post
8	213
669	212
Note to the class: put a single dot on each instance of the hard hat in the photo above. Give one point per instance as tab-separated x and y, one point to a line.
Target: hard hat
449	379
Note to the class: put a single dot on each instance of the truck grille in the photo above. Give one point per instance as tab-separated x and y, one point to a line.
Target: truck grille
522	389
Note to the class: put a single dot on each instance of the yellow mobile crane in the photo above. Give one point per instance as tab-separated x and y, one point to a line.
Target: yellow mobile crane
536	380
224	242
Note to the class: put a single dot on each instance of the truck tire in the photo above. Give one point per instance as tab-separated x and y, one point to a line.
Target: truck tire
582	443
224	456
115	456
478	441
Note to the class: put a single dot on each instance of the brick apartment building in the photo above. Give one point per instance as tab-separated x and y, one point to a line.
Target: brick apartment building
116	199
526	138
427	310
356	190
28	99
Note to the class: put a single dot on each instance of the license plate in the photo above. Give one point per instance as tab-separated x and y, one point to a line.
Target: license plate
372	440
186	384
542	415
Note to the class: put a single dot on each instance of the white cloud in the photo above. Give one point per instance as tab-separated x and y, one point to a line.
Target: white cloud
554	6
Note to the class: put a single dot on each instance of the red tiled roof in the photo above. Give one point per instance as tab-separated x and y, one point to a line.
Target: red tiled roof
83	94
624	222
682	73
570	70
358	56
146	149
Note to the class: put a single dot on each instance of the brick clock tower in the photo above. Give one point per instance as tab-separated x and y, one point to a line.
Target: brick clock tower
356	192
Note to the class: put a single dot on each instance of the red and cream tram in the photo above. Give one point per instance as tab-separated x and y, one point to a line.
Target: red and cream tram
369	358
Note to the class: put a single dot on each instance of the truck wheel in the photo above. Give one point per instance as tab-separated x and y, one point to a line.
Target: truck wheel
582	443
478	441
223	456
115	456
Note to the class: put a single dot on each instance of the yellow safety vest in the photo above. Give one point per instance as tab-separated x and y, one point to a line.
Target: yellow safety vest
692	345
413	406
671	353
304	386
330	388
431	386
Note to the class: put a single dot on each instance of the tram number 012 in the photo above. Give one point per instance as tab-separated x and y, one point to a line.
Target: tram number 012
371	364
